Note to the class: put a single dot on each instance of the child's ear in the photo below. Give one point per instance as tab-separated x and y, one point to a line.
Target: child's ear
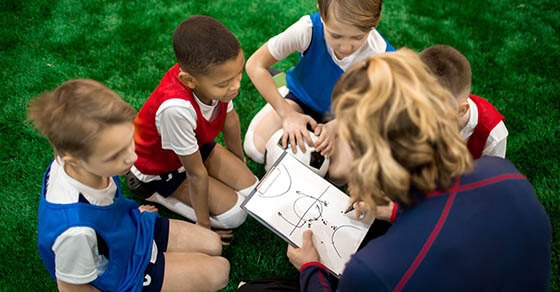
69	159
463	108
187	79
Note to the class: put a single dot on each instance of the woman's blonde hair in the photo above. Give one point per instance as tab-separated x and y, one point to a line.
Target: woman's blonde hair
402	130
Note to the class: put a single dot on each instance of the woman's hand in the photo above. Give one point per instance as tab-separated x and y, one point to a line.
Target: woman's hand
363	211
295	130
327	135
306	254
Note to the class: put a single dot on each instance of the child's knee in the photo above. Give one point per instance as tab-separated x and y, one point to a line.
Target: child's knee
233	217
219	276
214	245
253	181
251	149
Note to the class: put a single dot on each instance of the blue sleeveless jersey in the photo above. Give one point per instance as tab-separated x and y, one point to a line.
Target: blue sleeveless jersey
127	232
314	77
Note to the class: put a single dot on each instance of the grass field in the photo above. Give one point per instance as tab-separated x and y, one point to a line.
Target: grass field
513	46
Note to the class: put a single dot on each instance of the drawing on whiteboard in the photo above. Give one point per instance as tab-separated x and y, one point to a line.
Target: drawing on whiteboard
279	176
291	199
307	209
336	230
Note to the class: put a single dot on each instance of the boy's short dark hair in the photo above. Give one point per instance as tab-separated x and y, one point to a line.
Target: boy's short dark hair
201	42
450	67
72	115
363	14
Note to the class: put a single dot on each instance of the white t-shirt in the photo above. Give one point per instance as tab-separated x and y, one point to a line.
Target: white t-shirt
176	123
497	140
298	37
77	259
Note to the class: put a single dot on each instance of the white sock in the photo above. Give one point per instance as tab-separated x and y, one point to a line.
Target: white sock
174	205
249	143
232	218
247	191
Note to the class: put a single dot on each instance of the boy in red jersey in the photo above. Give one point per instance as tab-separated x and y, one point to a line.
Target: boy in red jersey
482	126
179	165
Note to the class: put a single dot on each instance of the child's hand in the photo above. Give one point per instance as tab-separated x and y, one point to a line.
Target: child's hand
306	254
295	130
148	208
327	135
225	236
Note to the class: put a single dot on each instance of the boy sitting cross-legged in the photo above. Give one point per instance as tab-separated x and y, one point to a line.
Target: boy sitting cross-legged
90	237
179	165
482	126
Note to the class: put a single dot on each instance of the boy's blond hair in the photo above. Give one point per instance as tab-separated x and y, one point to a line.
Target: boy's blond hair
450	67
401	128
363	14
72	115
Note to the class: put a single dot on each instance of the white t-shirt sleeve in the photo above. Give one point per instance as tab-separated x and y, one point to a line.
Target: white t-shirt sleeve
176	122
297	37
229	106
75	253
497	141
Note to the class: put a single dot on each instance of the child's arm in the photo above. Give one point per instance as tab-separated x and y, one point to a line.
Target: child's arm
293	123
197	179
232	134
63	287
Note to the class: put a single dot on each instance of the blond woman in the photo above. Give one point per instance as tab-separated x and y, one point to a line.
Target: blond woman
465	226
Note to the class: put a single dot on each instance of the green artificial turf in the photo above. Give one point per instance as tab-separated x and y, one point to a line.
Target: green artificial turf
513	47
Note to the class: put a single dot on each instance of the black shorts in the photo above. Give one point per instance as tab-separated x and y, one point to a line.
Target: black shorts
153	274
168	182
318	117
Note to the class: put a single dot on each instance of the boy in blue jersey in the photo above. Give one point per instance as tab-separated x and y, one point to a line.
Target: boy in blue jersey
329	42
90	237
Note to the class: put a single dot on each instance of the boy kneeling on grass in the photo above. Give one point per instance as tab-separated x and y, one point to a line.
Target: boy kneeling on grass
179	165
90	237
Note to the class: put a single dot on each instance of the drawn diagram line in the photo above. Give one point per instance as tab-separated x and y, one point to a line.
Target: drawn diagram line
310	206
262	195
334	232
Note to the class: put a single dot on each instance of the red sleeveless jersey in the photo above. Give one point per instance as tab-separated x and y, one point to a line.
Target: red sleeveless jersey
488	119
152	158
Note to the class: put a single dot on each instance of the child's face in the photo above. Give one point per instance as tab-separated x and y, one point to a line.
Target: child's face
222	82
113	153
345	39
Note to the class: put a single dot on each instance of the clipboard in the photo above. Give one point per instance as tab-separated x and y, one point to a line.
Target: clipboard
291	198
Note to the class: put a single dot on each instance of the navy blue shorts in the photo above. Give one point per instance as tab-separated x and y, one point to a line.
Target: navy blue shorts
153	275
169	182
318	117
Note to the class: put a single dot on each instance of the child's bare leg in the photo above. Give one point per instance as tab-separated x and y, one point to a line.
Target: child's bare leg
194	272
224	166
221	198
267	126
340	162
188	237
